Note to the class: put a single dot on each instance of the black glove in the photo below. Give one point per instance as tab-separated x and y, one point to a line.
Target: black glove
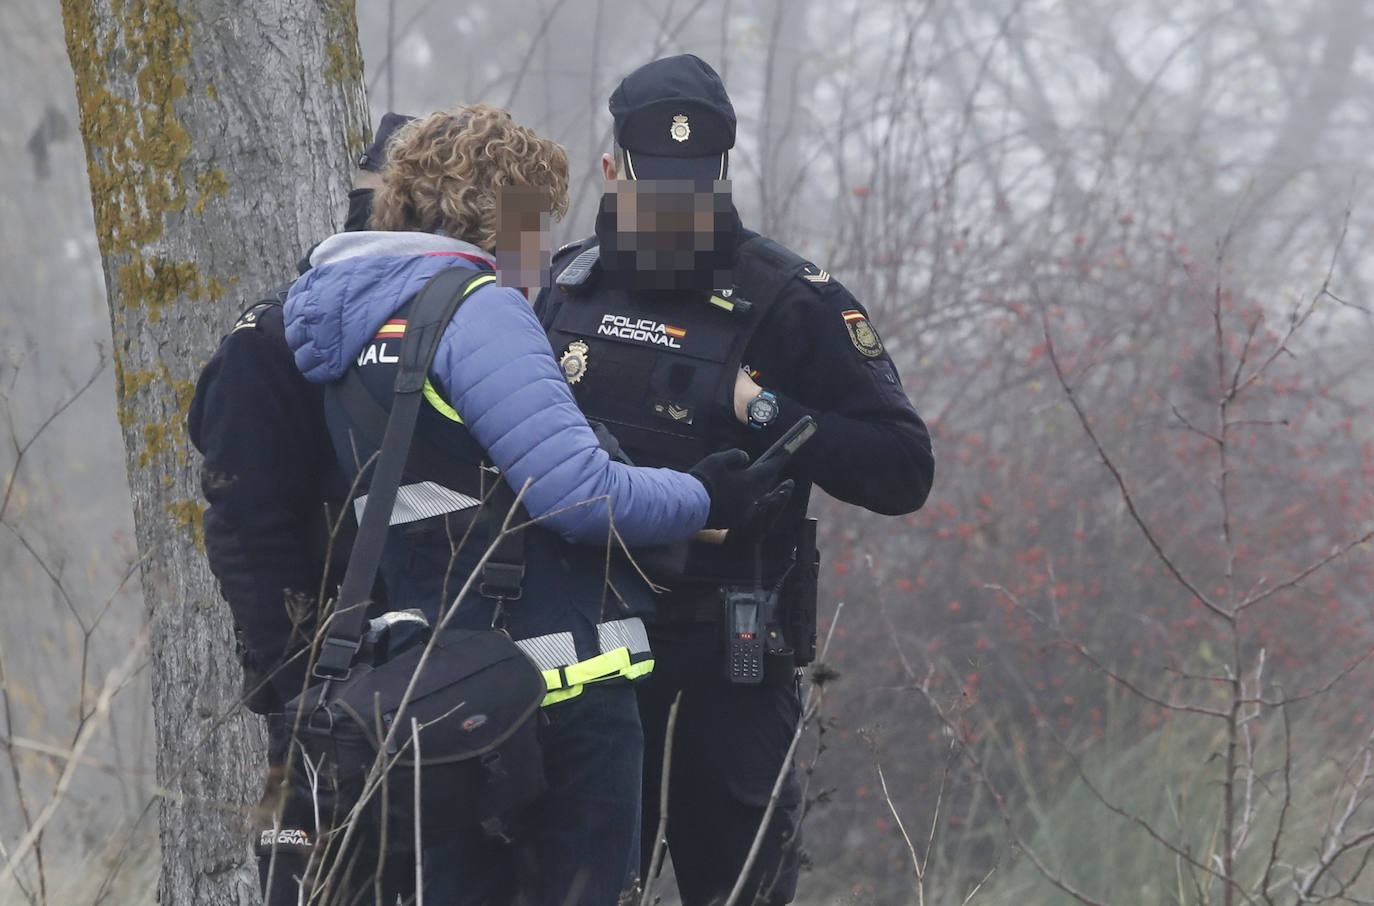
759	516
609	443
741	493
259	693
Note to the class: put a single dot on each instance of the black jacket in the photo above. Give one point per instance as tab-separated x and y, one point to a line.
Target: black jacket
819	354
871	449
274	491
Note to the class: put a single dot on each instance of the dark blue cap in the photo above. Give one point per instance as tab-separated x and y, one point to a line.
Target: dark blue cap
674	120
374	155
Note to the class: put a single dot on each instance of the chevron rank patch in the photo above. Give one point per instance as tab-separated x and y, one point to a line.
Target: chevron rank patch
249	319
862	334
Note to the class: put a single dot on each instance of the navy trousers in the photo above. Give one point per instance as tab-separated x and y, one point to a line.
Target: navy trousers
728	746
578	844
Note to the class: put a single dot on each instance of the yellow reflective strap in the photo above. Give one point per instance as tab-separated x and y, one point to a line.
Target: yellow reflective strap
603	666
561	695
566	682
643	668
431	394
441	404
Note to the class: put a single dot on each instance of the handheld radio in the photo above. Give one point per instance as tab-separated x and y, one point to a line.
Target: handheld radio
751	622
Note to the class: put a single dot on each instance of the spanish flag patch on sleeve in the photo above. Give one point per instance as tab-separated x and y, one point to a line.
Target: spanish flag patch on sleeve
396	327
862	334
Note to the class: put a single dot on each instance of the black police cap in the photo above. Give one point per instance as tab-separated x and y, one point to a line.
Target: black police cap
674	120
374	155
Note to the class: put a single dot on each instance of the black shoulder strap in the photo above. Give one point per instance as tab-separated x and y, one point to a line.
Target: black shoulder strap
572	270
368	418
429	316
580	268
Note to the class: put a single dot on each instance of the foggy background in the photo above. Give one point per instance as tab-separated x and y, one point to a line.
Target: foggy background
1136	180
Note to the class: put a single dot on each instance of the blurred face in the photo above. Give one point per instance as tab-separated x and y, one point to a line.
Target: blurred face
661	210
673	234
523	246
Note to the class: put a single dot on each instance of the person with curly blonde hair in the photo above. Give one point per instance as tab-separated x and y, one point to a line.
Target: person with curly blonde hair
445	173
456	184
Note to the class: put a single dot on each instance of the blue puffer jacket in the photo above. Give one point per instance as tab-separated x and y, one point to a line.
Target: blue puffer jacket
498	371
495	367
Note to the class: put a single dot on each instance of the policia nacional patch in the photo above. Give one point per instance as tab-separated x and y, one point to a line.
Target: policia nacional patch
862	334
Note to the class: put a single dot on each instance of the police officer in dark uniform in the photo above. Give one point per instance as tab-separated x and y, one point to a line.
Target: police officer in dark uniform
273	533
684	333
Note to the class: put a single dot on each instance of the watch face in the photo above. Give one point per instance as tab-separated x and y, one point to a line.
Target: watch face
762	410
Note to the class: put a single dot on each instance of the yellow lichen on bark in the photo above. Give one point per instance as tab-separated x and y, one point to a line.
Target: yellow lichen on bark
154	283
155	443
135	145
187	515
208	185
343	55
128	384
184	391
158	436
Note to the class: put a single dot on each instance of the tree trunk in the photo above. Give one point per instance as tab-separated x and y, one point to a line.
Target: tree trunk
219	138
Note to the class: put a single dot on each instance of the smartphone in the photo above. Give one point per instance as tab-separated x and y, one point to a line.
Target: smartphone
790	442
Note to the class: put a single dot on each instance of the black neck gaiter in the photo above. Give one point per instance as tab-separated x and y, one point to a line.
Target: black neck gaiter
667	260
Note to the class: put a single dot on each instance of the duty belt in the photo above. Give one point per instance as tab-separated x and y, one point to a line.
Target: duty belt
625	654
697	605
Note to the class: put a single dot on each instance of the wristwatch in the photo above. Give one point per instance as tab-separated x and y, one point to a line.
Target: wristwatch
761	410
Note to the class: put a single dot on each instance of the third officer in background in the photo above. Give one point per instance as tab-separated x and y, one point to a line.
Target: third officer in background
274	538
684	333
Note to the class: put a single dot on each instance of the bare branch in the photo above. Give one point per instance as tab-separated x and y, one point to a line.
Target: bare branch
1126	496
1255	597
113	683
1201	432
872	741
1337	844
545	21
1178	851
661	833
1324	687
1296	320
1273	859
1348	304
1087	655
50	572
21	449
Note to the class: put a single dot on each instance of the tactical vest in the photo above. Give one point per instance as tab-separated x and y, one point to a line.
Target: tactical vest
658	370
444	455
555	605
